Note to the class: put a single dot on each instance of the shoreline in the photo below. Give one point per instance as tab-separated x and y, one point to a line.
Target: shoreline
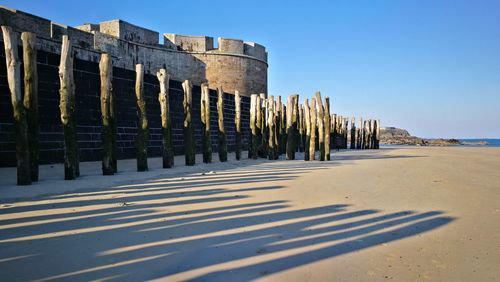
443	146
52	175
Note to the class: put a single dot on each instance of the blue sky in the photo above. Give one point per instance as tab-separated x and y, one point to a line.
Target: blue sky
430	66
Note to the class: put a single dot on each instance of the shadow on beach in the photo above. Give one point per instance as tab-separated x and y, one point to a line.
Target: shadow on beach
130	232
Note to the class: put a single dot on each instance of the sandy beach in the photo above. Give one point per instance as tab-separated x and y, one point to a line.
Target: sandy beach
402	214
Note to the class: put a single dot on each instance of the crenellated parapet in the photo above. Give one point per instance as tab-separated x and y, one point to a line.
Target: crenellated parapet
205	44
188	43
234	64
129	32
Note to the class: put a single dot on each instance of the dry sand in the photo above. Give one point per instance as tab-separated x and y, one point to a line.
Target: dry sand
406	214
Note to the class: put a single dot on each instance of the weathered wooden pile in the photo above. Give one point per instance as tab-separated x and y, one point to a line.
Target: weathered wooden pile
276	128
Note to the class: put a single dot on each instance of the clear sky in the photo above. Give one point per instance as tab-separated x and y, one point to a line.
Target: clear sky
430	66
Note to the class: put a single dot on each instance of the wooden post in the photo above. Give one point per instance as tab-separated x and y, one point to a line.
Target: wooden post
360	134
321	126
105	71
282	126
277	109
334	132
237	124
222	131
340	130
356	134
189	145
271	151
369	138
358	140
296	121
252	152
339	137
340	133
353	133
370	134
333	121
263	129
290	152
314	122
113	125
365	134
142	126
301	129
377	135
251	125
205	123
370	128
30	99
327	127
307	125
258	123
276	130
67	107
291	127
166	119
372	131
10	40
346	126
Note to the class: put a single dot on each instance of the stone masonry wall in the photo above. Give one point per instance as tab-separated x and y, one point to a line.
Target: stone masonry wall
234	64
88	114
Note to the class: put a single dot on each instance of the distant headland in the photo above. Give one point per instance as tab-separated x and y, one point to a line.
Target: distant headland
398	136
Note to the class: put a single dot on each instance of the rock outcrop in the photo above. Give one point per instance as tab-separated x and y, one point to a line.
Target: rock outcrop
398	136
475	143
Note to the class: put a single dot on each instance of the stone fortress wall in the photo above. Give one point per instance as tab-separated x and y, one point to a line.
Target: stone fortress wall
234	64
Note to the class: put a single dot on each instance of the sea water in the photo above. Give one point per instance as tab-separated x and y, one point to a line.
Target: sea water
491	142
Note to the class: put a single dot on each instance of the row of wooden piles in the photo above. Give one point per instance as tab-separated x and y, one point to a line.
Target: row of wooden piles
275	128
309	127
366	136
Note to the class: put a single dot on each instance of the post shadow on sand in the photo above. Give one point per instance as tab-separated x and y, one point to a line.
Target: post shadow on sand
195	182
148	244
134	205
257	270
137	214
254	174
147	240
269	240
87	170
